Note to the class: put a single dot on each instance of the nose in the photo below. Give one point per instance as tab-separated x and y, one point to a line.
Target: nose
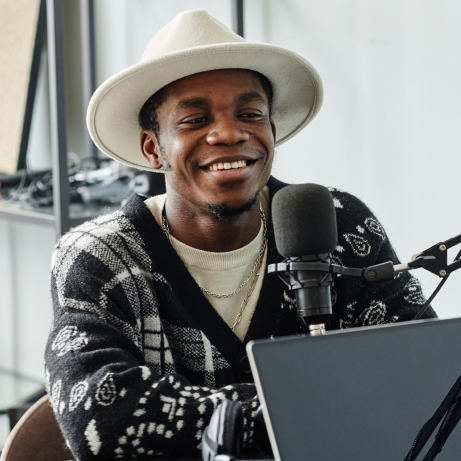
227	131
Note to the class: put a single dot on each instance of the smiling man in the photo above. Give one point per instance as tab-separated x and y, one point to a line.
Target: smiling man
216	146
155	303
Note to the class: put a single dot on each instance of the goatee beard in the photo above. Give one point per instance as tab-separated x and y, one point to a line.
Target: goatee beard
224	212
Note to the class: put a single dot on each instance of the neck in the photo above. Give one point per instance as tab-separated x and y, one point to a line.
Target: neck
201	229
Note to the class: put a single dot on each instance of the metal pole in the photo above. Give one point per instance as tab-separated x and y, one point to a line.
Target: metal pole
237	17
88	68
58	114
14	312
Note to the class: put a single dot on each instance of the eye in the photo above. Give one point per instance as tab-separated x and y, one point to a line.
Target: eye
196	120
251	115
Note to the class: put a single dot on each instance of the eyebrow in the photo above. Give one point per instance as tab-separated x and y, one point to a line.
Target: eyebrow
250	97
193	102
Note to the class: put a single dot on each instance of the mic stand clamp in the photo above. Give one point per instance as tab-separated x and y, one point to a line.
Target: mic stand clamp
438	254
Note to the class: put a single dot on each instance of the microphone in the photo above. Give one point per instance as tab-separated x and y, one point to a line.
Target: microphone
305	230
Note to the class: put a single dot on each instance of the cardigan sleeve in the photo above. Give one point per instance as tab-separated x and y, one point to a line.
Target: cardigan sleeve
107	400
391	301
363	242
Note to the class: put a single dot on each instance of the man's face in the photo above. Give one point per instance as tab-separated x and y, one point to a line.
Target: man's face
216	138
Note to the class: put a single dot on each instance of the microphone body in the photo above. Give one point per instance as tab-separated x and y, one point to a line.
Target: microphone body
314	294
305	231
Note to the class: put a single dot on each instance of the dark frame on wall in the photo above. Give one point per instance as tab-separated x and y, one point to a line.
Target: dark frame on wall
34	69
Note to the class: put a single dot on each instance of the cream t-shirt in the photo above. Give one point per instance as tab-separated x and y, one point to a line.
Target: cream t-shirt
222	272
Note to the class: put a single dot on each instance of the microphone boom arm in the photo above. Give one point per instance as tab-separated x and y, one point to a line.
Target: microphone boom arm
440	264
312	276
434	260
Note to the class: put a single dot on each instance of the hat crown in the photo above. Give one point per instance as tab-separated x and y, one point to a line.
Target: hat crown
189	29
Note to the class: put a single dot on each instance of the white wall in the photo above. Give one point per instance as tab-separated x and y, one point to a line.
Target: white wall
123	28
388	131
24	285
25	309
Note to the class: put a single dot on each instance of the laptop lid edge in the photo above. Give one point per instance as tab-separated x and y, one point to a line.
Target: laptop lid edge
259	389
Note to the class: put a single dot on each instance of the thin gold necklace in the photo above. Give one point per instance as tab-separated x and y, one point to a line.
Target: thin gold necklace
254	272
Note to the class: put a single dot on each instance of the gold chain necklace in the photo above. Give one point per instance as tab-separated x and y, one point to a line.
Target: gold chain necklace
254	272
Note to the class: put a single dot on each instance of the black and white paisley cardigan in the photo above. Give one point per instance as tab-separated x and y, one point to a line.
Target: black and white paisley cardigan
137	359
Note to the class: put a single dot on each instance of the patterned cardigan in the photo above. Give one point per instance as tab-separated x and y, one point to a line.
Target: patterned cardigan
137	359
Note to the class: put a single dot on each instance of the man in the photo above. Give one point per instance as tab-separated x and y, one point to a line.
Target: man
155	303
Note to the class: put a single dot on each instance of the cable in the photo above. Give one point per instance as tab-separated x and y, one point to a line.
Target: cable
433	295
17	193
430	425
450	421
438	288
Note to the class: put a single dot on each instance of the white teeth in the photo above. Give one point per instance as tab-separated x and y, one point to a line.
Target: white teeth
228	165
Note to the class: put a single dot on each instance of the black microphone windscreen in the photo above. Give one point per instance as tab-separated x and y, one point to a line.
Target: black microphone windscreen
304	220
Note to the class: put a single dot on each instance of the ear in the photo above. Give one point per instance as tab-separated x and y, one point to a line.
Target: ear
150	149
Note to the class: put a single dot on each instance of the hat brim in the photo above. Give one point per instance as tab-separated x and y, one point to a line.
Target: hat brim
113	112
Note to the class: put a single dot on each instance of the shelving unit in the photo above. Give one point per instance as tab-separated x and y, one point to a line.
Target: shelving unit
78	212
62	215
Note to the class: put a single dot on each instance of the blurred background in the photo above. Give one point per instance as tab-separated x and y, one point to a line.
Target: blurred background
388	132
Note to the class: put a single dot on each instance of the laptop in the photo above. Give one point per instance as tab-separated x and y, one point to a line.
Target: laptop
361	394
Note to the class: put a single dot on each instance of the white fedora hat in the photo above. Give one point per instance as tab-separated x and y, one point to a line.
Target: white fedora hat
196	42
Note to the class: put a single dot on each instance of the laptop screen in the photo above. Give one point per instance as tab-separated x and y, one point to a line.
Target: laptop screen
358	394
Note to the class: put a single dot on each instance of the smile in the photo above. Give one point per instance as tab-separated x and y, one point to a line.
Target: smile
227	165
